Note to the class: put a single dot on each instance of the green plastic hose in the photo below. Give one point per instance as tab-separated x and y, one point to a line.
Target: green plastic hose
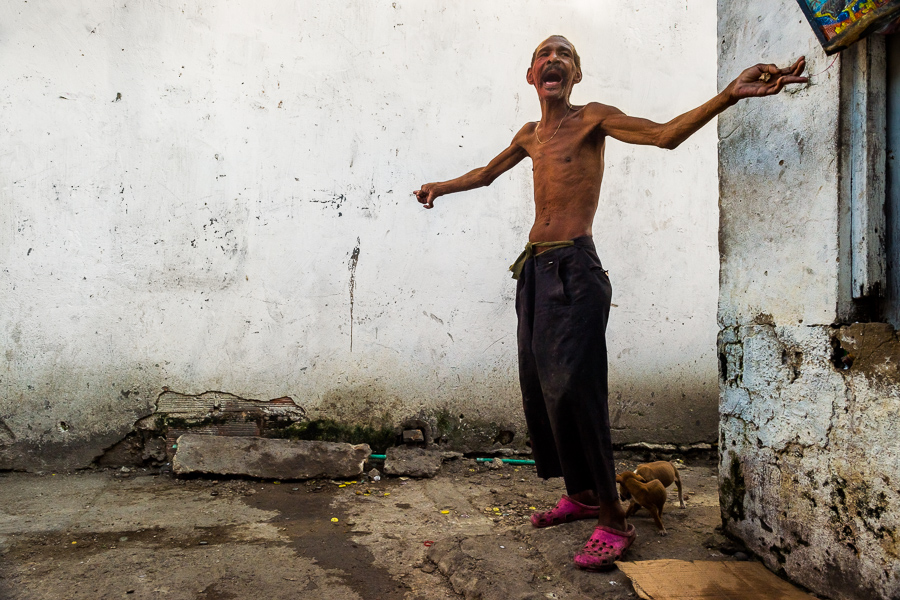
509	461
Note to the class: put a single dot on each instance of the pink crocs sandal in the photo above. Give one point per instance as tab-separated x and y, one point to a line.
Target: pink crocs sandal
604	548
566	510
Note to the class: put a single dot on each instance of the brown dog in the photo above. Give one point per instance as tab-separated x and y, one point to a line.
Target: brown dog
663	471
651	495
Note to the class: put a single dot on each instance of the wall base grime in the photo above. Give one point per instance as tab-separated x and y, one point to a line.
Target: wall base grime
153	438
809	464
151	442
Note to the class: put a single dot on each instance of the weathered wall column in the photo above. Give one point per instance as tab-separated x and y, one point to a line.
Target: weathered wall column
810	463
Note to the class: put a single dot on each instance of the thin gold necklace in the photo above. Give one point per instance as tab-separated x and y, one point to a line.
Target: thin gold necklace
557	127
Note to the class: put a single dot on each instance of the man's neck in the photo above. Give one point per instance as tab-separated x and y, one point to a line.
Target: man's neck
553	111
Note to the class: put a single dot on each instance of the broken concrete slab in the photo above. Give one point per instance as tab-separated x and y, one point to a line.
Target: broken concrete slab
412	462
268	458
218	413
652	447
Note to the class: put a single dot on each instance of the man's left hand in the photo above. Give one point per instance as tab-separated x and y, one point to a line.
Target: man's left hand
766	80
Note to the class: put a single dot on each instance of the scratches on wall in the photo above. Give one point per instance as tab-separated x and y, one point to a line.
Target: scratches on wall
6	434
621	409
354	259
433	317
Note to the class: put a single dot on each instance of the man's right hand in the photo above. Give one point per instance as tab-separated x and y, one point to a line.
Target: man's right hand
426	195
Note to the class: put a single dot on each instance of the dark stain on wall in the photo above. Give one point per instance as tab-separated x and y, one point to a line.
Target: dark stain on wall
871	349
354	260
792	358
847	581
732	490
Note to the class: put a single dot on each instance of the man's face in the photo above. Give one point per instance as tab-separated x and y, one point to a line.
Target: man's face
553	72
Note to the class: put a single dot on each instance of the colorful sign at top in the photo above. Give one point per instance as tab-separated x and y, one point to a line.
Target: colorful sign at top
841	23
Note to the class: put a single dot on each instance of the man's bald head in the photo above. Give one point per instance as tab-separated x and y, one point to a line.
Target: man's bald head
558	38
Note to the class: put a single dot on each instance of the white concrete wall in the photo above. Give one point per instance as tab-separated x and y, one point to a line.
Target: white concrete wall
184	187
778	176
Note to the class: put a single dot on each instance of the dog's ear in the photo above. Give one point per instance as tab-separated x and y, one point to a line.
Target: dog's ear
639	478
619	478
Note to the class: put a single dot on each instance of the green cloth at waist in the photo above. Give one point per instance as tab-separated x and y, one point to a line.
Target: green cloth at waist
517	266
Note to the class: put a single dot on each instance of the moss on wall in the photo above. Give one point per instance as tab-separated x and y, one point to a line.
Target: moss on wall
326	430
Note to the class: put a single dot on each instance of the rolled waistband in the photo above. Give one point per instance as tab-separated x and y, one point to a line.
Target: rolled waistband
519	263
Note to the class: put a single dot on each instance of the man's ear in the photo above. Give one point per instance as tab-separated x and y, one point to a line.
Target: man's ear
529	76
577	78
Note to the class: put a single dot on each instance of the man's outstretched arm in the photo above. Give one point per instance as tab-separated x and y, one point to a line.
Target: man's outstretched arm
475	178
757	81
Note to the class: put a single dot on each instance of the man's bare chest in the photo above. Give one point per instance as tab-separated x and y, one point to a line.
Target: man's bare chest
574	147
568	162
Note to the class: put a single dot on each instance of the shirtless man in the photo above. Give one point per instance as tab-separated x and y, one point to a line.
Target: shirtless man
563	294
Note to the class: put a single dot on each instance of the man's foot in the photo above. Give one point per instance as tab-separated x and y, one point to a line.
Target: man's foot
566	510
612	515
604	548
588	497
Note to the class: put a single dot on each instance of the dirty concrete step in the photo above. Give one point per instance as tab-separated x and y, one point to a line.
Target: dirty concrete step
412	462
268	458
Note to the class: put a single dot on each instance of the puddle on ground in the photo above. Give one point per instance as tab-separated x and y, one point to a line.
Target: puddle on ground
306	518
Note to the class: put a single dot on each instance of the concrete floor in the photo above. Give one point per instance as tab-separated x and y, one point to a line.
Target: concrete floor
107	534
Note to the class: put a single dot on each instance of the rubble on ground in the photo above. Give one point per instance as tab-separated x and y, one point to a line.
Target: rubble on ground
412	462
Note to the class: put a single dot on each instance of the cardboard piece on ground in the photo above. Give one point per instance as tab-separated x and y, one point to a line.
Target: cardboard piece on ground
707	580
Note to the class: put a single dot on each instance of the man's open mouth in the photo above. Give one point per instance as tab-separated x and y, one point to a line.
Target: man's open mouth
552	79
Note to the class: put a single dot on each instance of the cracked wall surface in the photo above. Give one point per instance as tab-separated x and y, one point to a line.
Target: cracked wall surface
217	197
810	463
